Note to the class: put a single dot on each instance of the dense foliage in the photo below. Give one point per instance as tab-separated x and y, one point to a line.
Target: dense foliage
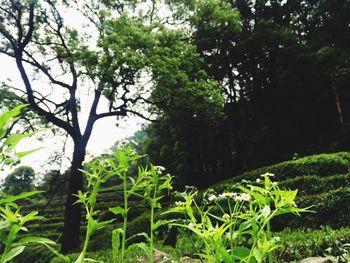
284	75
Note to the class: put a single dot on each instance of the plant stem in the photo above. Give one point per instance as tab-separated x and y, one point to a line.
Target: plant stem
125	217
153	204
268	227
89	214
259	232
87	239
151	257
231	229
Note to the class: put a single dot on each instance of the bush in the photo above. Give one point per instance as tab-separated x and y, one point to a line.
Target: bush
322	165
332	208
314	184
302	243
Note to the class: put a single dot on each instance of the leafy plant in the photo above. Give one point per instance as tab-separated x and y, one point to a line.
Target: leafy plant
149	185
226	220
153	184
8	154
96	174
12	223
125	157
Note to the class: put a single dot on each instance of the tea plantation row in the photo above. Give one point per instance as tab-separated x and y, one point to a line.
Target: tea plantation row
323	182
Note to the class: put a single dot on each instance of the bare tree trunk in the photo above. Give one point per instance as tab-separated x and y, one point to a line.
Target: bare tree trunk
71	231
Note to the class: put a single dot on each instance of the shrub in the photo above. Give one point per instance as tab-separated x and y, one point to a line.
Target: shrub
332	208
322	165
314	184
302	243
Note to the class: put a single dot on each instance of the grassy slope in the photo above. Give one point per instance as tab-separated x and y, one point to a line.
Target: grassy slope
323	181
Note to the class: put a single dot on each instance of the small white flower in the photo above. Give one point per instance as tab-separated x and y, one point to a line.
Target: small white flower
212	198
159	169
267	174
226	216
122	143
258	180
228	195
191	224
245	197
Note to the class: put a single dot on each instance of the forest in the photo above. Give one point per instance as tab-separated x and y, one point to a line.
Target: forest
243	155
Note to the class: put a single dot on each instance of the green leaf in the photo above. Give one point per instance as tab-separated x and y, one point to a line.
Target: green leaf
25	153
40	240
257	254
141	246
11	199
117	210
65	259
13	140
162	223
224	255
115	243
240	252
14	252
142	234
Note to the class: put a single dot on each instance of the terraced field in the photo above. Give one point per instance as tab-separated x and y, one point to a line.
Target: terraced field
323	182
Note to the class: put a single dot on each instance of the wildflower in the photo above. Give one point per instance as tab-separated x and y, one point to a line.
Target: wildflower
211	198
226	216
191	225
243	197
258	180
122	144
228	194
159	169
267	174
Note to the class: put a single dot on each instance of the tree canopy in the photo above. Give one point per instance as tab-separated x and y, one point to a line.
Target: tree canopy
127	53
19	181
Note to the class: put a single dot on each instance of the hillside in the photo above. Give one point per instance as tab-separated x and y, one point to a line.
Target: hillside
323	182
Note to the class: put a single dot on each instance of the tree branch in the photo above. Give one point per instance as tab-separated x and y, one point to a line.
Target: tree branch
31	98
142	116
29	34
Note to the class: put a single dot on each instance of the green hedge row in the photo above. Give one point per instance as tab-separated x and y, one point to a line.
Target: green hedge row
303	243
322	165
314	184
331	208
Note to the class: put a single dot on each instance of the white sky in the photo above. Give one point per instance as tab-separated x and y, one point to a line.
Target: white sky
104	135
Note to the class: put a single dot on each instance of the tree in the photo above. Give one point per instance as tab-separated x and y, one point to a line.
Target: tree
19	181
54	183
117	54
284	77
